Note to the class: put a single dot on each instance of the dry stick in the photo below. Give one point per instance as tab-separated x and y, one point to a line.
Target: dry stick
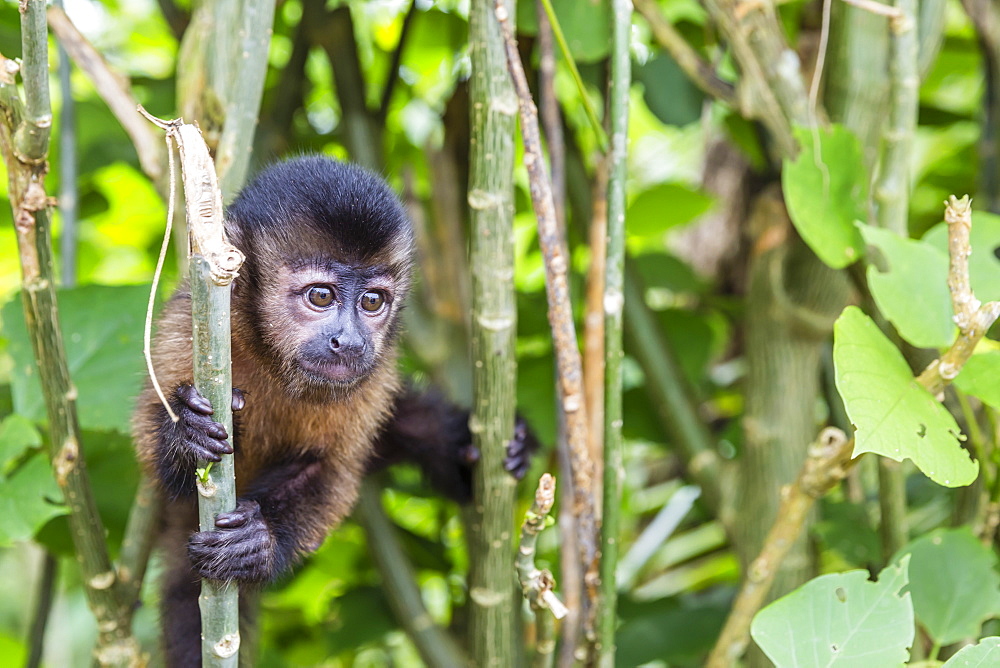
114	90
568	363
830	460
537	585
698	70
24	139
214	263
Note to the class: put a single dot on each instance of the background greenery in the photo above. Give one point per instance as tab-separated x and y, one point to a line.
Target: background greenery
696	167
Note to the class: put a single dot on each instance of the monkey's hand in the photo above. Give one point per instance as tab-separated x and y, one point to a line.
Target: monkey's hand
202	436
194	436
242	548
520	450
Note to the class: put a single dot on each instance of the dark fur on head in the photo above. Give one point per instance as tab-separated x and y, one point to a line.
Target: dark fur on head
316	218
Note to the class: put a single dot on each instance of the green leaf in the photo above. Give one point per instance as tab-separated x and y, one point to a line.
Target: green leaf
892	414
826	188
17	434
913	291
953	582
984	264
979	377
841	619
984	655
29	498
102	331
665	206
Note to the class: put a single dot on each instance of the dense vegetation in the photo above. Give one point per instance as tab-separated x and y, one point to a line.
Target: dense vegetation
786	271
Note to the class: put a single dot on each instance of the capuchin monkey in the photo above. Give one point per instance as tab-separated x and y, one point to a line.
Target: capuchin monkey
315	323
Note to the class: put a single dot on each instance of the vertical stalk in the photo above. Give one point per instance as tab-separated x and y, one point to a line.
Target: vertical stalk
67	168
614	290
219	601
892	203
24	138
494	327
892	188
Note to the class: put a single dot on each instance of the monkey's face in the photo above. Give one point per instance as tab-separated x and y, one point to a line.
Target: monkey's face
329	324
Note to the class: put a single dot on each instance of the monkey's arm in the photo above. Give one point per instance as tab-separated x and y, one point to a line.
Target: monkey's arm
433	433
286	511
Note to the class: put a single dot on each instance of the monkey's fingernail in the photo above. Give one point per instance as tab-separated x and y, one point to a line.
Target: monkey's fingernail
511	464
217	431
239	399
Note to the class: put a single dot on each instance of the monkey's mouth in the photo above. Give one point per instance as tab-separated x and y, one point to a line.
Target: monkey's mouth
338	371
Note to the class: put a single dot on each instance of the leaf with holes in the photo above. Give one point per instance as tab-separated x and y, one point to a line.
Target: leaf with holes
892	414
826	188
983	655
953	582
840	620
912	291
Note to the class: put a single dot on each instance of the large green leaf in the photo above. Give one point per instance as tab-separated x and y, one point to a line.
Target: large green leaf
102	331
984	263
840	620
826	188
979	377
892	414
913	290
29	498
953	582
984	655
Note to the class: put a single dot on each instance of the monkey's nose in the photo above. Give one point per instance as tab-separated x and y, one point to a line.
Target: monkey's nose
347	346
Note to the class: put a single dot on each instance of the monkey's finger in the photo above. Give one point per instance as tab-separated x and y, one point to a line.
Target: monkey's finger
193	399
246	510
202	445
207	426
239	399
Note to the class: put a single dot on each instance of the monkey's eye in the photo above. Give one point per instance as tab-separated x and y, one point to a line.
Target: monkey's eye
320	295
372	301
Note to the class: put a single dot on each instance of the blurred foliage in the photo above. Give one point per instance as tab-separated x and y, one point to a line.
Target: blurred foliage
332	611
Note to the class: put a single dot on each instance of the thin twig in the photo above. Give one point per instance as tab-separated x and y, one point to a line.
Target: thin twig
537	585
397	57
877	8
568	363
588	107
115	91
828	462
699	71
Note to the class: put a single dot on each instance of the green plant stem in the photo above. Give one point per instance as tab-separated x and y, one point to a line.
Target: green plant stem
437	648
24	140
892	186
140	534
588	107
494	331
614	290
219	601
